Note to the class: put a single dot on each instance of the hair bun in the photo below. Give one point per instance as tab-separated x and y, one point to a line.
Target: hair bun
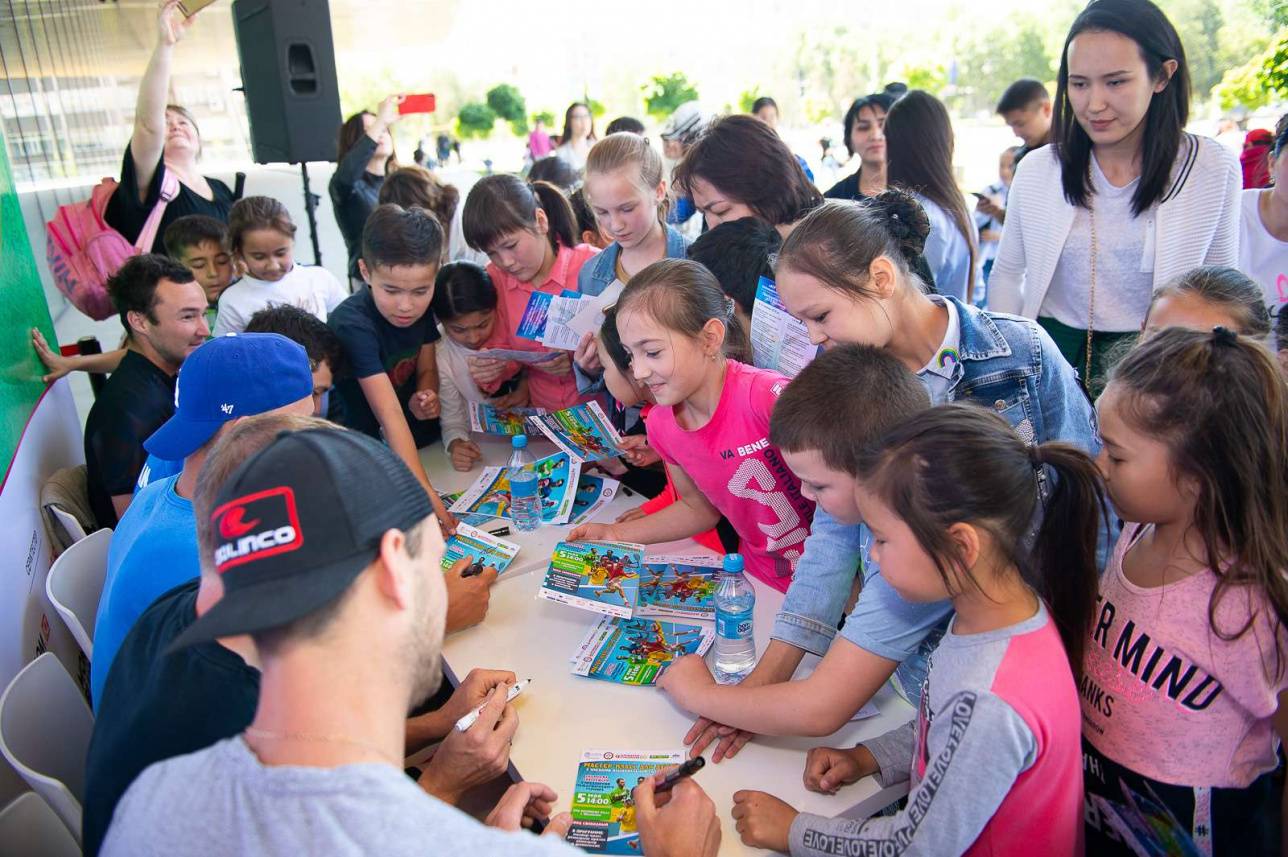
905	219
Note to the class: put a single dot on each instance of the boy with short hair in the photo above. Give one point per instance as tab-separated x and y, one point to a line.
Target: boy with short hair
388	334
1026	108
200	244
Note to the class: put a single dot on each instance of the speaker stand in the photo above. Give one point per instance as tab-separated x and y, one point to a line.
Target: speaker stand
311	201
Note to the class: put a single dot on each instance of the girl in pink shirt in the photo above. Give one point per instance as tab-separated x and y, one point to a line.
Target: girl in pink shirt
711	423
993	757
1184	686
527	230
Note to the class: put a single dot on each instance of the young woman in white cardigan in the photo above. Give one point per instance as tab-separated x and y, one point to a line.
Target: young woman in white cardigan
1123	200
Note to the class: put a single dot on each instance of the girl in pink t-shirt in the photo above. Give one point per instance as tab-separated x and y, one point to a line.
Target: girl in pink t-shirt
993	757
711	423
1185	678
527	230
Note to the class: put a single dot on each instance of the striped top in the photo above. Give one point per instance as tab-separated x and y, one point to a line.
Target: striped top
1196	223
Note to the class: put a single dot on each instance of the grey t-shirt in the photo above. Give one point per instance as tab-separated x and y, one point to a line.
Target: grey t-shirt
222	802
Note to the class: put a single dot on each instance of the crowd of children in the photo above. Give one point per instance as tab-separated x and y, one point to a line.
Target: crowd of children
1062	534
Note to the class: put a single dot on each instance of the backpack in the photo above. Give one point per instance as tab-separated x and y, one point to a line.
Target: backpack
83	251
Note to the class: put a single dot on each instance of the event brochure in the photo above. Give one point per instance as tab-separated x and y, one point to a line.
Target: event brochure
603	809
479	546
636	651
590	309
602	577
679	586
472	520
503	421
593	494
545	320
516	356
556	480
778	340
582	431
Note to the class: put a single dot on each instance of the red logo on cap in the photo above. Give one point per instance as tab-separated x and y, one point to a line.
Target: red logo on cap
256	526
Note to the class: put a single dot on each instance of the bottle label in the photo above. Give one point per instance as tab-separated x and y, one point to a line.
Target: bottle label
733	626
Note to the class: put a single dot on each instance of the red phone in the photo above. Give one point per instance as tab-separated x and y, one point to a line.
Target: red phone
423	103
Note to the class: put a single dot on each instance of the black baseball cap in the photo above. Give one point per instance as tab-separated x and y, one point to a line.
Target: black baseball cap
297	522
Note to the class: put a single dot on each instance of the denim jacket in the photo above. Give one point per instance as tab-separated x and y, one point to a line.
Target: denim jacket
598	274
1007	363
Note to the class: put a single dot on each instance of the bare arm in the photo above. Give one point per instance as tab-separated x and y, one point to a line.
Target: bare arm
384	404
60	365
427	368
148	140
690	515
121	502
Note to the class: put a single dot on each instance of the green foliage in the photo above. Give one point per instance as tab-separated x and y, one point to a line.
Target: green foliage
1274	69
663	94
996	59
475	120
1257	82
932	79
545	117
507	103
597	108
748	98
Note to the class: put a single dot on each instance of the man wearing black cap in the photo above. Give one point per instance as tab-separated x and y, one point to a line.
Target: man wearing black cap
318	539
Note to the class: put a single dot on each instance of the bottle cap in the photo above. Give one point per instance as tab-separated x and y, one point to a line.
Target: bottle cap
733	563
519	441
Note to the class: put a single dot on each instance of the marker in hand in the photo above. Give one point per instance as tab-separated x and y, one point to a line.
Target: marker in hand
470	719
688	769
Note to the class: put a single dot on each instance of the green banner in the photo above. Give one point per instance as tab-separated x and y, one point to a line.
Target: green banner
22	307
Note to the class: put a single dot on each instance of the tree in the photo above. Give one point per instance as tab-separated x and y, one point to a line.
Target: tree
507	102
475	120
545	117
748	98
1255	83
663	94
997	58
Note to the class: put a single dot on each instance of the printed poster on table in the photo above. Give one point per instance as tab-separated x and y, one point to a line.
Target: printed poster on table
603	577
636	651
603	809
779	341
488	419
582	431
479	546
593	493
556	481
679	586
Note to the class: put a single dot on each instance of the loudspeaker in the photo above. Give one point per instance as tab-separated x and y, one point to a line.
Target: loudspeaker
288	76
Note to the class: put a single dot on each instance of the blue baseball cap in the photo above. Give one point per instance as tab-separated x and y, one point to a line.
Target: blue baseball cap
233	376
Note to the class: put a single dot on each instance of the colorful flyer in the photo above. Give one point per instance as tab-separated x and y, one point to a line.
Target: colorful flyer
679	586
603	809
582	431
479	546
593	494
516	356
533	322
602	577
636	651
508	421
779	341
556	480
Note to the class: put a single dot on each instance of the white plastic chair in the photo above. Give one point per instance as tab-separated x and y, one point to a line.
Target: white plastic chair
75	585
29	828
45	727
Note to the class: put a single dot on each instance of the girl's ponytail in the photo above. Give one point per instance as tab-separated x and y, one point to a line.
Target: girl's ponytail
1063	568
559	213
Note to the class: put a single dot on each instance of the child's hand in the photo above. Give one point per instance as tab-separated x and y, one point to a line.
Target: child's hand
684	678
424	405
484	370
631	515
446	520
829	768
705	730
465	454
57	364
594	533
560	365
763	820
638	452
587	356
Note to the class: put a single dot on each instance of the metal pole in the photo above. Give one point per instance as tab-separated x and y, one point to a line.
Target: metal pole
311	201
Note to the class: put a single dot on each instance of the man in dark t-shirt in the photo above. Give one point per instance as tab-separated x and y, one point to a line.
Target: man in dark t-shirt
163	308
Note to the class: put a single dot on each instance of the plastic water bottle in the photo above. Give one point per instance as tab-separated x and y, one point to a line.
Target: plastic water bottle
525	496
735	637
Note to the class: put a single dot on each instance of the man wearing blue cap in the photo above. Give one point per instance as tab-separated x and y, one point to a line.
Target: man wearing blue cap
154	547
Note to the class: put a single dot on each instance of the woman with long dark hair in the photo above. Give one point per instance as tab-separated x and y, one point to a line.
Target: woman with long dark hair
165	145
865	140
920	138
365	153
578	135
1123	200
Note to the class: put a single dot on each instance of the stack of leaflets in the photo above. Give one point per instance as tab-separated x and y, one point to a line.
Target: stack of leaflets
516	356
593	494
778	340
557	477
479	547
508	421
679	586
636	651
603	809
603	577
582	431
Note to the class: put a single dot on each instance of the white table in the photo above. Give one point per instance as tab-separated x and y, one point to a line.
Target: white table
561	715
